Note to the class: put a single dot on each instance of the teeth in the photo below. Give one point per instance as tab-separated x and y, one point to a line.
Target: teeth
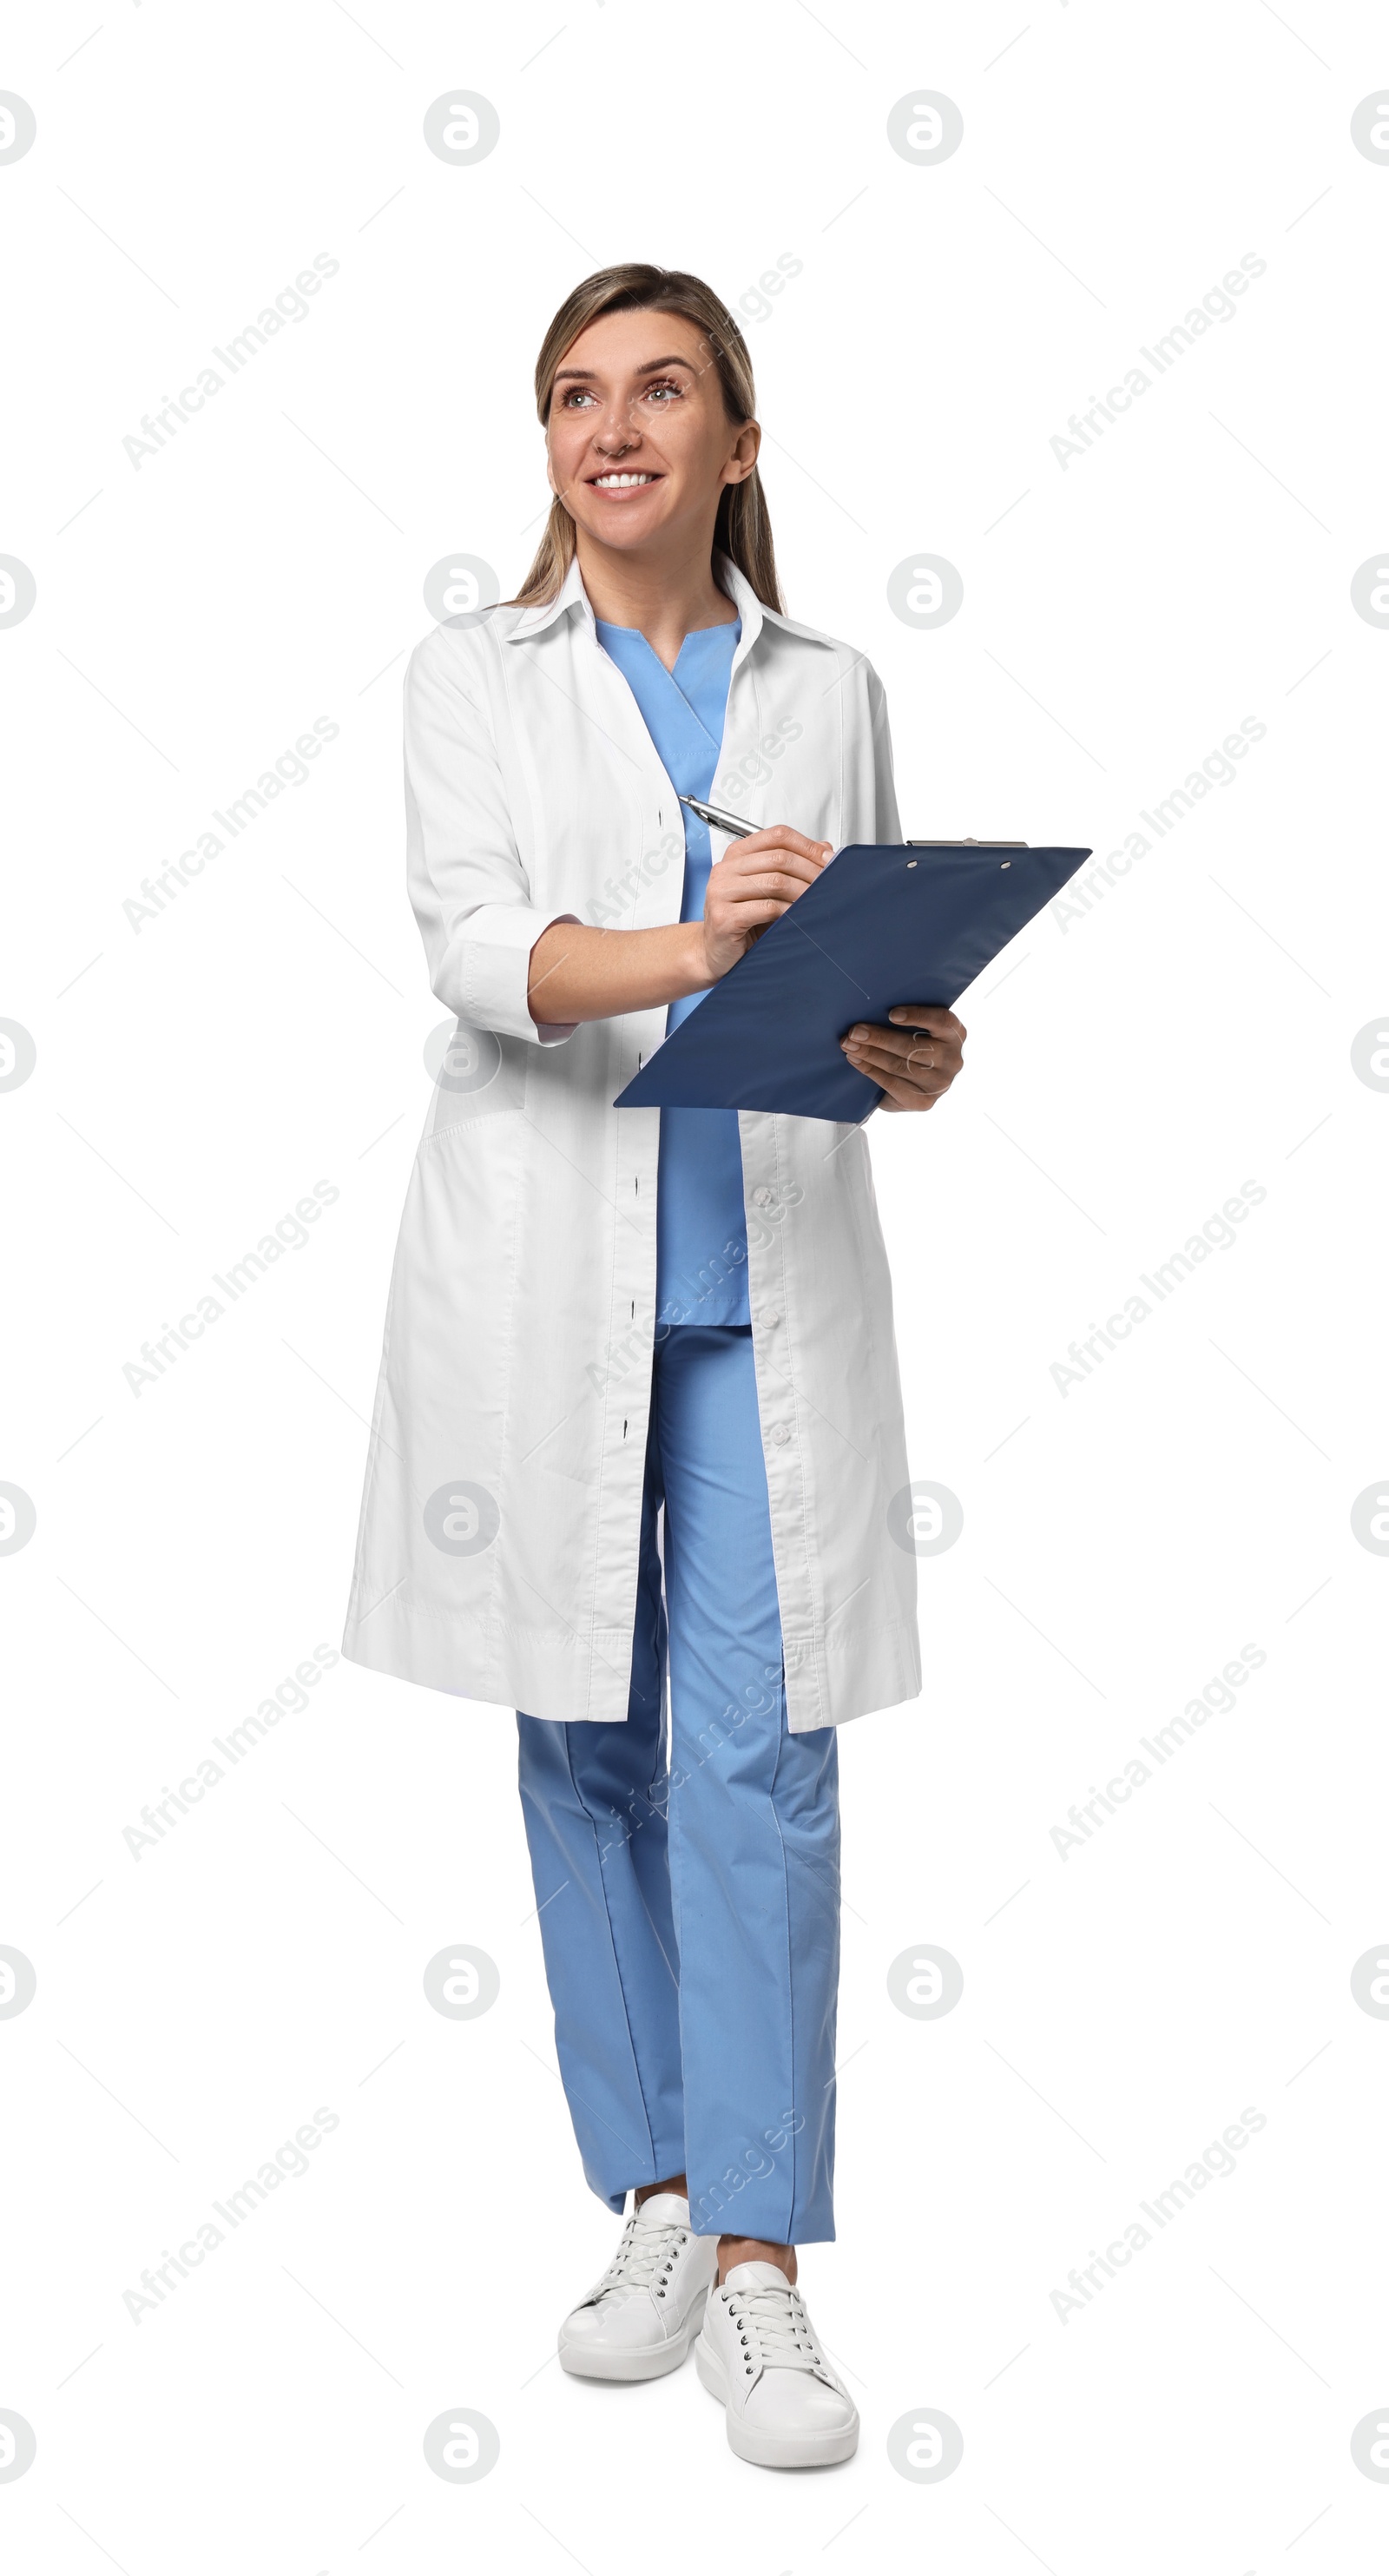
619	482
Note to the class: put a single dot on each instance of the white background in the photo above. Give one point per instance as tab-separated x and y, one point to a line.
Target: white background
1122	1541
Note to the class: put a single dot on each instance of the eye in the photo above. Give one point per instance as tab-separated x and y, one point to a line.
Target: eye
573	395
665	385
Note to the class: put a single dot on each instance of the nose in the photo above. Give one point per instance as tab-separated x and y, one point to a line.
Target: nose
617	430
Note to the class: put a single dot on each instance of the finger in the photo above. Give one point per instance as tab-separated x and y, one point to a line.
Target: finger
881	1065
790	876
905	1091
924	1044
781	836
750	863
929	1015
787	882
738	918
932	1015
914	1050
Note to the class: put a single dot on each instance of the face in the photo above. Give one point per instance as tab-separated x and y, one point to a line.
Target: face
640	446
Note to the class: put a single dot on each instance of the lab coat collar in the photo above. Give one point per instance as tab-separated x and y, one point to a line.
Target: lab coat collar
750	608
755	613
544	612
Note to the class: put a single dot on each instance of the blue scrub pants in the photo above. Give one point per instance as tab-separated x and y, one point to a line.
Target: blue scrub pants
688	1892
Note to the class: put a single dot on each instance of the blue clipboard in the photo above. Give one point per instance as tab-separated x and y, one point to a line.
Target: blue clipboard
880	925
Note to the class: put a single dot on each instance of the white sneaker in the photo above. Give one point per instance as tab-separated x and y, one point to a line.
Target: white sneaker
786	2407
639	2320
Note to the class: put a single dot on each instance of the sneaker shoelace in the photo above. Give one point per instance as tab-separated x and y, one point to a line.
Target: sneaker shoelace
644	2257
774	2330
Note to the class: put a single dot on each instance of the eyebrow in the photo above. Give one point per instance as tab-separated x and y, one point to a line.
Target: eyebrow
563	374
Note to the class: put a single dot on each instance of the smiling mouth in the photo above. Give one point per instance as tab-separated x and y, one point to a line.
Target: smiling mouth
616	482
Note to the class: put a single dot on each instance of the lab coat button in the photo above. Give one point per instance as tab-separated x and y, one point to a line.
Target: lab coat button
781	1433
770	1316
762	1198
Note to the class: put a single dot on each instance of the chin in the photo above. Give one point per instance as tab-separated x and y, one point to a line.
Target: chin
624	527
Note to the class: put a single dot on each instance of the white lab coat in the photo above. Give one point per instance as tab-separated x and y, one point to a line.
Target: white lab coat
498	1547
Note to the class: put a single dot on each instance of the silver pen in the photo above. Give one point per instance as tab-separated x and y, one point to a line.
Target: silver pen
733	824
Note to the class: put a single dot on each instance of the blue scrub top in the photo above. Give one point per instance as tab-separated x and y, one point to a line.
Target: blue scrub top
701	1230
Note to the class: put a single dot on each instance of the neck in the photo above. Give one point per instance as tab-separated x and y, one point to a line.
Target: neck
664	597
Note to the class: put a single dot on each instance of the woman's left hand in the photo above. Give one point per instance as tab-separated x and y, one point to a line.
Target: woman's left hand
915	1059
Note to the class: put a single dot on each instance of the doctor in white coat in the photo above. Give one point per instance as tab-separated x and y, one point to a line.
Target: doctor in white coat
637	1466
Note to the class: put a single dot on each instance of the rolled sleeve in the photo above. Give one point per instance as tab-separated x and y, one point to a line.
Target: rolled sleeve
467	884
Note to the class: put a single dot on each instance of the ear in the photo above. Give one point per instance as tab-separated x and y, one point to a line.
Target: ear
743	460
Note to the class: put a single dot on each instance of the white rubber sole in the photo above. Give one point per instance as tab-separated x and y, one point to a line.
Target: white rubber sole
773	2450
588	2361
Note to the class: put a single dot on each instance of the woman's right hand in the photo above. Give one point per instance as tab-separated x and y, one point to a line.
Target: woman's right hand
755	881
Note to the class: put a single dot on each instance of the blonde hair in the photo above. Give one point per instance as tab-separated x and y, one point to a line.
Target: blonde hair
743	530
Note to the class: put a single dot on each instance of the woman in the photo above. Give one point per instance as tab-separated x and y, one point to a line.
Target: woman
639	1404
